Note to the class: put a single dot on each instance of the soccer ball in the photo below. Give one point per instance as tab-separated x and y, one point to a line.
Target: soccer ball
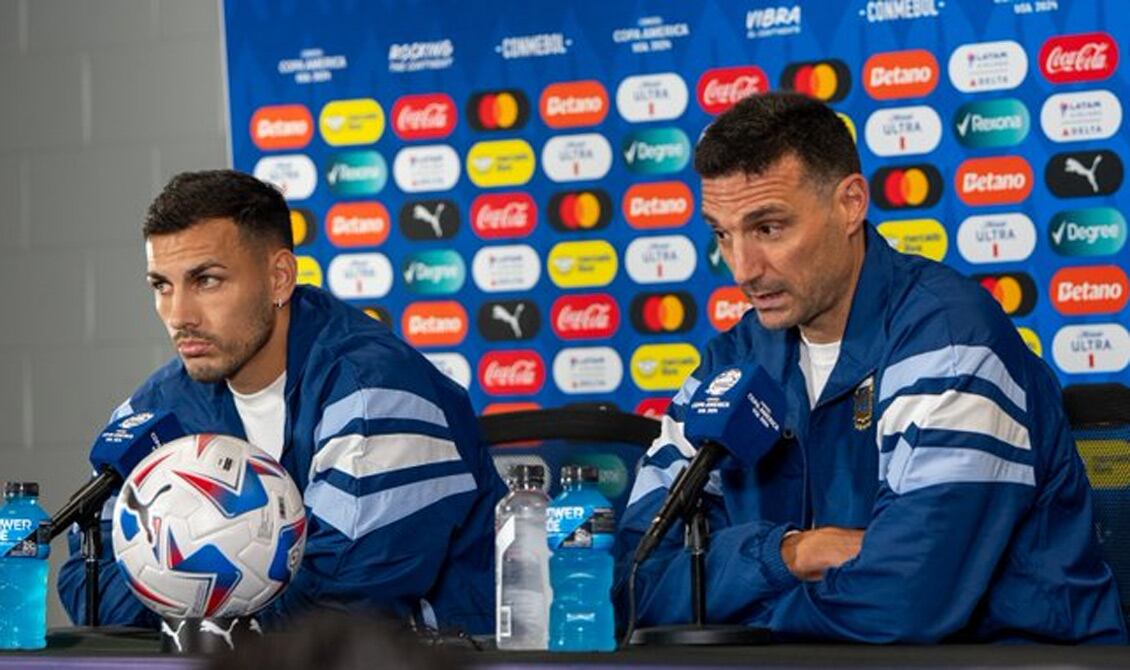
208	526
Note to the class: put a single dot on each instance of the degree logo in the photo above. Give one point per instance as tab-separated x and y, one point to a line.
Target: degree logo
1098	231
513	267
294	175
900	74
589	263
302	228
826	80
357	224
587	316
656	150
997	180
663	313
453	366
726	307
1091	348
506	109
434	324
655	260
1099	289
996	238
356	173
590	209
351	122
423	220
436	272
516	372
988	66
663	204
905	187
309	272
360	276
722	88
572	104
587	370
429	116
1082	57
652	97
282	127
1014	291
663	367
1082	174
992	123
500	163
922	237
576	157
503	215
509	320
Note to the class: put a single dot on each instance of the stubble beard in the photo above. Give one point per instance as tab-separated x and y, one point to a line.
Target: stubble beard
235	353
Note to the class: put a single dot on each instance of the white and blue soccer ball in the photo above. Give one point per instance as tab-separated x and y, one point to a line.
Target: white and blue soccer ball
208	526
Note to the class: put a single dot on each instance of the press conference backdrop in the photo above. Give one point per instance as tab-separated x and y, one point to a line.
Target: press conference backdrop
509	184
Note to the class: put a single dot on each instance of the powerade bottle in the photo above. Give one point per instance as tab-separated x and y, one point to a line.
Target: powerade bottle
24	547
521	575
579	527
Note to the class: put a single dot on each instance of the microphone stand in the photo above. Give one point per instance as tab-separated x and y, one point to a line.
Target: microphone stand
91	555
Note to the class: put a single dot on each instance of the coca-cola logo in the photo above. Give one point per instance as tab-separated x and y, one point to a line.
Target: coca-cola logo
1082	57
585	317
503	215
517	372
721	88
427	116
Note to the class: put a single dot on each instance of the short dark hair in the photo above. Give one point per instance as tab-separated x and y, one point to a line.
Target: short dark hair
258	209
761	129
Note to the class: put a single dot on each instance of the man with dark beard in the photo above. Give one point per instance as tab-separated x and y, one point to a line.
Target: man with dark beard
399	487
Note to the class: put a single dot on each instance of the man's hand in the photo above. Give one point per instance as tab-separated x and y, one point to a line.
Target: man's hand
810	553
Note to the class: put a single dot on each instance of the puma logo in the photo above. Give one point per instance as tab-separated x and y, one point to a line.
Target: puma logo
209	626
134	504
499	313
421	213
174	634
1072	166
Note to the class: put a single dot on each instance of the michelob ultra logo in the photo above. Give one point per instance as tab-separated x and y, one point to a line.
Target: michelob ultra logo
503	215
1081	174
351	122
726	307
309	272
1082	57
435	272
923	237
1031	340
655	260
1098	231
434	324
590	209
996	238
576	157
360	276
663	367
294	175
656	150
428	116
996	180
357	224
453	366
423	220
662	313
1094	347
900	74
1014	291
513	267
500	163
498	110
906	186
1086	115
652	97
661	204
281	127
903	131
302	226
434	167
1098	289
587	316
988	66
826	80
582	264
571	104
515	372
722	88
587	370
992	123
356	173
509	320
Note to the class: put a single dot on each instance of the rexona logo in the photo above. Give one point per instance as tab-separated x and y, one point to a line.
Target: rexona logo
514	267
1099	289
434	167
655	260
423	220
907	186
498	110
996	238
1014	291
652	97
584	264
1082	57
453	366
572	104
576	157
656	150
1098	231
992	123
726	307
661	204
900	74
428	116
996	180
503	215
590	209
356	173
351	122
500	163
281	127
360	276
434	324
302	226
437	272
721	88
922	237
1086	115
587	370
357	224
988	66
1081	174
903	131
294	175
587	316
663	367
517	372
662	313
826	80
509	320
1094	347
309	272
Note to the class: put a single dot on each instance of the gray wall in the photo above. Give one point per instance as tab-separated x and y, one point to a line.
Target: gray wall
101	101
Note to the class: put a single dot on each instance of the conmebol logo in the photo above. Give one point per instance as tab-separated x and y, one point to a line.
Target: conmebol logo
1100	289
1083	57
517	372
721	88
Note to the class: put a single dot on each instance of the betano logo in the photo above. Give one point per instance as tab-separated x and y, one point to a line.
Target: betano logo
1082	57
656	150
1015	292
826	80
572	104
996	180
302	228
506	109
512	267
663	313
427	116
722	88
1098	231
360	276
586	316
590	263
903	131
590	209
503	215
356	173
663	367
1098	289
922	237
500	163
436	272
281	127
656	260
652	97
996	238
434	324
309	273
988	66
583	157
661	204
992	123
351	122
587	370
900	74
726	307
907	186
1081	174
514	372
1091	348
357	224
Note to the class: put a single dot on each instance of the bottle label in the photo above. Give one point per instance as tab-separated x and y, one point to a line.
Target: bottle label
19	538
580	526
503	538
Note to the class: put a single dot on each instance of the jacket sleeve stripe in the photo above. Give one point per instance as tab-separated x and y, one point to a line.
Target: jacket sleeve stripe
952	410
911	468
652	478
360	456
372	403
683	396
952	361
123	409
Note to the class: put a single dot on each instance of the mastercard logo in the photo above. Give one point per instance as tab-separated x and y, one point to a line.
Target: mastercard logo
357	224
1014	291
282	127
498	110
573	103
825	80
907	186
900	74
726	307
661	313
664	204
309	272
590	209
302	227
434	324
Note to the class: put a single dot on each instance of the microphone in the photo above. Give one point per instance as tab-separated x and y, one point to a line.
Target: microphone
736	415
120	447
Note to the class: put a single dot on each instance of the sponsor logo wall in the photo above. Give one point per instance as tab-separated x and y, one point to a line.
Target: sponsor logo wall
513	192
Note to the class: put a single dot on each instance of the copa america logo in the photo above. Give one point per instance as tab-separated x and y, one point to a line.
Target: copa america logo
724	382
135	420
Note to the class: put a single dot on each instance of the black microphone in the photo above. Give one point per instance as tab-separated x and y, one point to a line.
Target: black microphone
735	414
120	447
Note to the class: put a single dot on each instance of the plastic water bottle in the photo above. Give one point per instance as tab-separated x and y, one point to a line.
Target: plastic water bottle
23	568
579	527
522	562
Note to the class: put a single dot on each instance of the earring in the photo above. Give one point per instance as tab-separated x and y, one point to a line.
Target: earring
279	303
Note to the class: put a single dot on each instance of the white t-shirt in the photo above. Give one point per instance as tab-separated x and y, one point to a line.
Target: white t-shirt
264	415
816	362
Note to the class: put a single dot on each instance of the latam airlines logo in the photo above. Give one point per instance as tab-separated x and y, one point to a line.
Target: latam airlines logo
903	131
587	370
993	181
1086	115
721	88
988	66
921	237
584	157
826	80
588	316
996	238
514	267
652	97
663	367
663	313
281	127
1099	289
589	263
503	215
423	220
656	150
904	187
354	276
437	272
453	366
351	122
1081	174
434	324
356	173
573	103
516	372
428	116
500	163
1098	231
294	175
509	320
992	123
1082	57
900	74
655	260
662	204
1092	348
1015	292
590	209
357	224
726	307
434	167
506	109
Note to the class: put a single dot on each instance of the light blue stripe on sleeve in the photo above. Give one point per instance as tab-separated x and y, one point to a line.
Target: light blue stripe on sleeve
377	403
690	385
952	361
909	469
356	517
651	478
123	409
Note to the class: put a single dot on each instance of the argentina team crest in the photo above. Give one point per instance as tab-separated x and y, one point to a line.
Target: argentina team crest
863	404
